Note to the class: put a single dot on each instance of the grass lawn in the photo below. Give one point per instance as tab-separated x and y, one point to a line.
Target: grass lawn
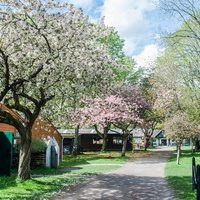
180	176
73	170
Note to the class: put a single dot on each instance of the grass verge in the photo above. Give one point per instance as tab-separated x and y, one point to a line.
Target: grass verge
180	176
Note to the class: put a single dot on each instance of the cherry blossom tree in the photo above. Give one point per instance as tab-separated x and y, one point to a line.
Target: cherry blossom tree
99	113
121	109
179	127
111	110
138	103
42	44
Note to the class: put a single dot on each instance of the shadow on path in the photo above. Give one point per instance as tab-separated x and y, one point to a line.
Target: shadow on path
142	179
113	187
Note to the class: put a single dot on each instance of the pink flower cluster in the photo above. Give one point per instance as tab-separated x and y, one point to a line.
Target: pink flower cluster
123	108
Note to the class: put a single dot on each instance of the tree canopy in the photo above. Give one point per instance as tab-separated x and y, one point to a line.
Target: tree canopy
47	49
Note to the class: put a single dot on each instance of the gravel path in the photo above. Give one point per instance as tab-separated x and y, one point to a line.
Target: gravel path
142	179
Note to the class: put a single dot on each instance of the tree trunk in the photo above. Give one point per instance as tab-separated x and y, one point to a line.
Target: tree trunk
197	145
76	147
178	154
24	171
125	139
146	143
105	136
193	145
103	148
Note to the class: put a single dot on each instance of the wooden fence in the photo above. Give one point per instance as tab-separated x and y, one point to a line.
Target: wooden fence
38	159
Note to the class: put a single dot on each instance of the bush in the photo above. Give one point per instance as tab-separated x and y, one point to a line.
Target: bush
38	145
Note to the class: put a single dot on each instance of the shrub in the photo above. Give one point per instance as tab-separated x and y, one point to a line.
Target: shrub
38	145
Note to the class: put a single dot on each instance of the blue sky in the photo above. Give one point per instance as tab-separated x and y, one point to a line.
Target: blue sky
139	22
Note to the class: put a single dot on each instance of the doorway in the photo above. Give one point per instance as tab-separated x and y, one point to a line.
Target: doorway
164	142
6	145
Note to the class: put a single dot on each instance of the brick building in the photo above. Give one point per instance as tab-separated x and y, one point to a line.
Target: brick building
42	129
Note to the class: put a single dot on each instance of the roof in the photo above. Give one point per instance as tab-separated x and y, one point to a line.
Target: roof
44	128
156	133
41	126
12	112
136	132
85	131
81	131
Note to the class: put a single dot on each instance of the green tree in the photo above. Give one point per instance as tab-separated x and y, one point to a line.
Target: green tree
179	127
128	73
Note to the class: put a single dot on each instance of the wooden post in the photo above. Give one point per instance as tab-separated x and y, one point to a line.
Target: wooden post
194	186
198	182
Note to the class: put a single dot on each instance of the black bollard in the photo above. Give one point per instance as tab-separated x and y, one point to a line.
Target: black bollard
194	181
198	182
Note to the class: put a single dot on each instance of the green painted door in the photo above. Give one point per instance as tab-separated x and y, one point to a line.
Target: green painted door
6	145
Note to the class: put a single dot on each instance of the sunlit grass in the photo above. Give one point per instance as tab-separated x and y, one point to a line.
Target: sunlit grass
36	188
180	176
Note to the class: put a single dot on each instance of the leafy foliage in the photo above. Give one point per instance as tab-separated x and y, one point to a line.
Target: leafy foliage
178	127
38	145
48	49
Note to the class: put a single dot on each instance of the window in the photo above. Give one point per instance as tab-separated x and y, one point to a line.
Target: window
117	140
100	141
97	140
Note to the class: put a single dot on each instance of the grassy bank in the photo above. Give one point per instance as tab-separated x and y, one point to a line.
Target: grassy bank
180	176
73	170
36	188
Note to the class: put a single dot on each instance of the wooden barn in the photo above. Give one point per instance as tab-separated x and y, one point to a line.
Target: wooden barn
90	141
42	129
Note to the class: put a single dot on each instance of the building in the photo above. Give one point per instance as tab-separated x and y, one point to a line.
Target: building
157	138
42	129
90	141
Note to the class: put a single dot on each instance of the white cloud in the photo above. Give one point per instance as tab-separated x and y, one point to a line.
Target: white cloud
127	16
148	56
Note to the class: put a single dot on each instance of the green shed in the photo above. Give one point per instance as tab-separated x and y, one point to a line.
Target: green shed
6	149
